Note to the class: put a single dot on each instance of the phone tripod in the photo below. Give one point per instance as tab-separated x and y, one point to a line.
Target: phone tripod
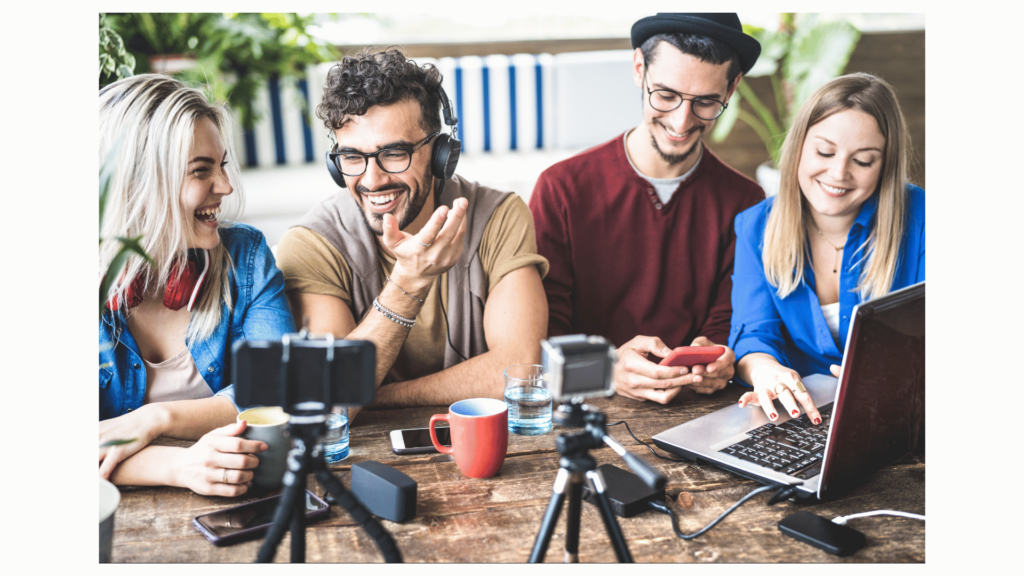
307	456
575	464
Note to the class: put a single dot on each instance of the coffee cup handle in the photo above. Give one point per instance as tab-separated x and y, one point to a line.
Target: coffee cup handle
433	433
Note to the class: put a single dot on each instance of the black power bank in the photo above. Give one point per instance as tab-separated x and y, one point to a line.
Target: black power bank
626	492
822	533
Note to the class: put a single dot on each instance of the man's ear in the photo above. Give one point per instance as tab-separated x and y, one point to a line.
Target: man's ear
734	86
638	68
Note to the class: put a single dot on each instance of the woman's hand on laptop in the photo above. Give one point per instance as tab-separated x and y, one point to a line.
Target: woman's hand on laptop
772	380
639	378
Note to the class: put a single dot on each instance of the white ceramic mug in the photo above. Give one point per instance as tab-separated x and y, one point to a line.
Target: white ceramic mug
109	499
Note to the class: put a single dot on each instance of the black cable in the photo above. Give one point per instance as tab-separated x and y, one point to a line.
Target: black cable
661	507
645	444
782	493
440	297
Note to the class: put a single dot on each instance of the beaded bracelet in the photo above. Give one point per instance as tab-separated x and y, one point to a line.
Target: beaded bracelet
394	317
420	300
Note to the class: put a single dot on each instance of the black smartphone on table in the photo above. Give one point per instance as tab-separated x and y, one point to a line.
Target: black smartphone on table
250	520
417	440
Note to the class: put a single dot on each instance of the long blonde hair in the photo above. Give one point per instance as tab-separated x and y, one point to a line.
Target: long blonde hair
785	247
146	126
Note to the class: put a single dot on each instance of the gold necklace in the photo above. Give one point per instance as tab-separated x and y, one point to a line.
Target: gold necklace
835	265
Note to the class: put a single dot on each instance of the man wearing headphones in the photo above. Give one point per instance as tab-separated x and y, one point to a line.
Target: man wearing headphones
440	273
639	230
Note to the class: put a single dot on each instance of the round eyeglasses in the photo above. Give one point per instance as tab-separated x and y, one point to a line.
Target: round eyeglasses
664	100
393	159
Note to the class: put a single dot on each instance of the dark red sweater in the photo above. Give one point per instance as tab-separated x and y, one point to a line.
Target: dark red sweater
622	264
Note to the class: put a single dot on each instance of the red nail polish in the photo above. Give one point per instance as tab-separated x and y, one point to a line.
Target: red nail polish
817	420
796	412
774	416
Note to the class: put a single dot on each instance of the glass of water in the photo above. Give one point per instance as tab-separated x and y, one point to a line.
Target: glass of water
528	400
336	440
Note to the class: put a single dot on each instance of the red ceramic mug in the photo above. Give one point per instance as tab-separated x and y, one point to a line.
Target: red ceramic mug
479	430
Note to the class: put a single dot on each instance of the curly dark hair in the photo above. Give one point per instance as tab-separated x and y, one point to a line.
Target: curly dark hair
378	78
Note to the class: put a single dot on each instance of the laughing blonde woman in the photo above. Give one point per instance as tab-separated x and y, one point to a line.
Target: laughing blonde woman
167	330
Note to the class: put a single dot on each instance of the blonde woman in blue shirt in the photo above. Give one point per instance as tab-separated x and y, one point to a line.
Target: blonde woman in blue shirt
845	227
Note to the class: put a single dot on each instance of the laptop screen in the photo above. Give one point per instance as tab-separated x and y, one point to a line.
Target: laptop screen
878	415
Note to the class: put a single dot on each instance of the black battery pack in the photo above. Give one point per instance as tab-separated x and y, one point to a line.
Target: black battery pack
822	533
626	492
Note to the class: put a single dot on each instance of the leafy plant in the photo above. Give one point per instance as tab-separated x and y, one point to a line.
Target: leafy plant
798	58
115	61
128	245
117	442
235	54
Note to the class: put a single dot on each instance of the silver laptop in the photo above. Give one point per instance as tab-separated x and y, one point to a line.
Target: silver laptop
872	415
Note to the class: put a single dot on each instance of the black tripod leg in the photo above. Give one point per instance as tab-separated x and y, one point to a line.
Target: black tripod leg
369	524
285	507
547	527
298	523
572	520
610	524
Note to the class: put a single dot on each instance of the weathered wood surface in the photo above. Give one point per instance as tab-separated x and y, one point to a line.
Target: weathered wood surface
496	519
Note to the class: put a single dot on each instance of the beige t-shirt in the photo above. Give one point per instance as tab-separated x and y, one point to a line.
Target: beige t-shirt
312	265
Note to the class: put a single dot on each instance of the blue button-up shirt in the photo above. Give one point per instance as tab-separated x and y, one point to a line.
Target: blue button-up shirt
793	329
260	312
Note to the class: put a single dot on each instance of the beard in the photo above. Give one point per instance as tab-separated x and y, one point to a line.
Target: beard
413	206
674	159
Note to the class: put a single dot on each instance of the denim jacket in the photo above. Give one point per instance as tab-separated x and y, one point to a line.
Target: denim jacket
260	313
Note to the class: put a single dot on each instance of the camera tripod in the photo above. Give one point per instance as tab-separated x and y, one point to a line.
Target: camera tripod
575	465
307	456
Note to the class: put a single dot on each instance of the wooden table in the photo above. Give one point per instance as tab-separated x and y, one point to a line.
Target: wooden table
459	519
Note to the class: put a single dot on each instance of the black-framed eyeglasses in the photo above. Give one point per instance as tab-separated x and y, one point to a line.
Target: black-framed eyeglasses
664	100
393	160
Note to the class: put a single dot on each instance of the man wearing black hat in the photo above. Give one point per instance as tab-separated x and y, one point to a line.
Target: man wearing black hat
639	230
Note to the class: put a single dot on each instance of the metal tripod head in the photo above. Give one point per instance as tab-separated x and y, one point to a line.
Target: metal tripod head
576	415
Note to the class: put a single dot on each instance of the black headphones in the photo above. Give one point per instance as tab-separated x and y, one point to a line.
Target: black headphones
445	156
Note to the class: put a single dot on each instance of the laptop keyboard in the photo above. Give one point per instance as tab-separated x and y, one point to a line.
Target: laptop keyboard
794	447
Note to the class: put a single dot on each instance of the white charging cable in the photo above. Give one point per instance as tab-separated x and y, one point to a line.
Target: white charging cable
842	519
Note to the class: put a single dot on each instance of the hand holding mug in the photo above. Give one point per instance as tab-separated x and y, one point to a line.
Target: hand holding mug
220	463
267	424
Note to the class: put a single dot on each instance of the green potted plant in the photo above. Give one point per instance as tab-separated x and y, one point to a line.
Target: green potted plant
232	55
115	61
128	245
800	56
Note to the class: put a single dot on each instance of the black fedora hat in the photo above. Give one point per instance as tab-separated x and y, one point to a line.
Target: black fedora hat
720	26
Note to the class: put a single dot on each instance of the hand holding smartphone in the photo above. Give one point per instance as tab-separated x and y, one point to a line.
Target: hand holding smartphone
693	356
